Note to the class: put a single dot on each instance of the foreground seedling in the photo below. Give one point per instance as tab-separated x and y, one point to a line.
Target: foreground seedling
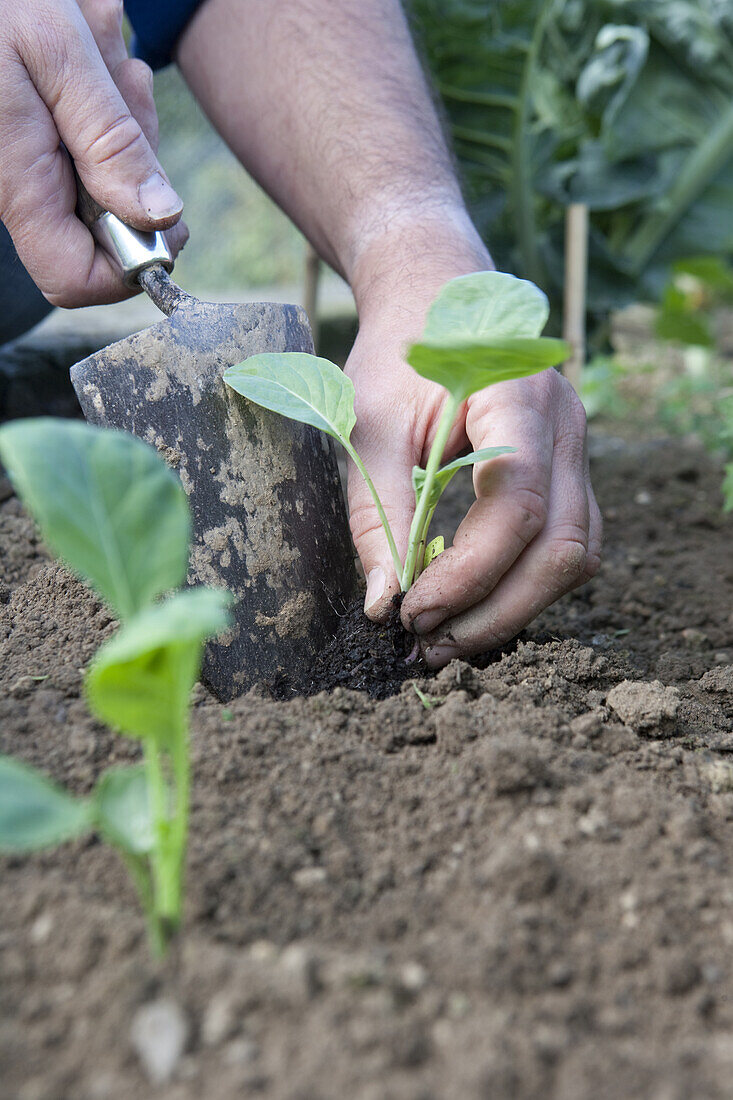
481	329
111	509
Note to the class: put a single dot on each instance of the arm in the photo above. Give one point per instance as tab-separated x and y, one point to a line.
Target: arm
325	103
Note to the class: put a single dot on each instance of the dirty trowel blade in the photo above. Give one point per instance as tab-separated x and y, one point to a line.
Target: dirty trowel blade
269	521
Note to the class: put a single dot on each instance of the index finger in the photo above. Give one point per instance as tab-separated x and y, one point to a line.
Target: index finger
104	18
510	510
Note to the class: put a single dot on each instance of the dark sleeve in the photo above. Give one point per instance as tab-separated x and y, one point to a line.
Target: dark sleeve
158	25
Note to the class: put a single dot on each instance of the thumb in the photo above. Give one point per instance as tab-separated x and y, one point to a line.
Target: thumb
392	480
112	154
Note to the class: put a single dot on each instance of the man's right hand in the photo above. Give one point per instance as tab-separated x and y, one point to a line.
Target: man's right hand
66	83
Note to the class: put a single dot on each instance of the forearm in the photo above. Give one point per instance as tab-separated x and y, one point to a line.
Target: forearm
325	104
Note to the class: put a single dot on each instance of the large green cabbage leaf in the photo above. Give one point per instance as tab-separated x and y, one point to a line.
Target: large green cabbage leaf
625	105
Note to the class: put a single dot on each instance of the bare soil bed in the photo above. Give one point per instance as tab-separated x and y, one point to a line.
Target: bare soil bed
521	891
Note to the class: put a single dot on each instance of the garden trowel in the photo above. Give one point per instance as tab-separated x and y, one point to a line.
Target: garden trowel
269	522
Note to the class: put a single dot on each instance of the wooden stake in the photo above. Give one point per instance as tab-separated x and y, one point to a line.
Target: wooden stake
310	289
576	273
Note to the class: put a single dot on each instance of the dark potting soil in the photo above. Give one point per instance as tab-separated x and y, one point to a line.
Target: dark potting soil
366	656
519	886
377	658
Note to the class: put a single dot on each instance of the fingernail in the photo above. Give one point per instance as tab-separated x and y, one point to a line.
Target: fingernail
376	584
438	655
428	620
158	198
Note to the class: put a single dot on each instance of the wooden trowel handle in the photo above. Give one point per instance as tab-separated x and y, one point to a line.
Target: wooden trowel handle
132	250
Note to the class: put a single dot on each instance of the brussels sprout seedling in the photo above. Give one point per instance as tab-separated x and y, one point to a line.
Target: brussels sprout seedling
118	517
481	329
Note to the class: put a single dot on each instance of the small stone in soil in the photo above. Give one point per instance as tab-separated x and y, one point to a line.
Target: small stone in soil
644	706
158	1035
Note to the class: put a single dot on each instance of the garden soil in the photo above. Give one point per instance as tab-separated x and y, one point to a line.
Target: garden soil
521	890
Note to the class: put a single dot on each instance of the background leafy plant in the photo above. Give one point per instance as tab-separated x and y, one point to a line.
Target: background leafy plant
107	504
625	105
683	379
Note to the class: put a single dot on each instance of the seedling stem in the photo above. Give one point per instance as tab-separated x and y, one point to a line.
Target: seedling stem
423	512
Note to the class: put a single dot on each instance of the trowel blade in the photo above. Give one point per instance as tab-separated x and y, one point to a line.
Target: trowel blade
269	522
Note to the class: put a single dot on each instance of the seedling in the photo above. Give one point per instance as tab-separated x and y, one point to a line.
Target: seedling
429	701
118	517
481	329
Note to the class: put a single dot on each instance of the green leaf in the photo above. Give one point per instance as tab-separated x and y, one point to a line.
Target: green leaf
122	810
465	370
484	328
713	272
486	307
299	386
105	502
482	455
620	52
141	679
684	327
35	813
446	473
433	550
599	184
599	387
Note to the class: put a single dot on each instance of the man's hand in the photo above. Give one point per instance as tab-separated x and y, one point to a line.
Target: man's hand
68	89
534	531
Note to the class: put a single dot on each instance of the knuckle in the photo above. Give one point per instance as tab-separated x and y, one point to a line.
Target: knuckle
530	512
560	395
536	393
121	138
568	557
593	563
575	411
363	522
45	44
139	73
110	13
103	16
545	387
525	395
